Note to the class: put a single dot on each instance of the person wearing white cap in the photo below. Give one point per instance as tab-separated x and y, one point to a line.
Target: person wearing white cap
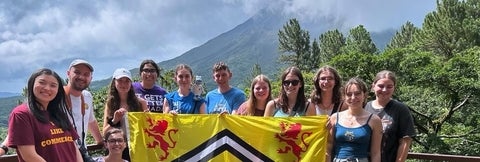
121	99
80	101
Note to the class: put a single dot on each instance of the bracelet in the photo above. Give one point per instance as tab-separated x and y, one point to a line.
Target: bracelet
110	122
4	148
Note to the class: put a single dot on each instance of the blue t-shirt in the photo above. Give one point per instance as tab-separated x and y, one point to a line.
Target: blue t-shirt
185	104
218	102
154	96
352	142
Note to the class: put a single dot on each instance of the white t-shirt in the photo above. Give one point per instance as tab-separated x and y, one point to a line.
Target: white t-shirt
77	112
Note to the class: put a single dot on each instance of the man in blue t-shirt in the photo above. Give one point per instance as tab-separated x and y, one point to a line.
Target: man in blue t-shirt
224	99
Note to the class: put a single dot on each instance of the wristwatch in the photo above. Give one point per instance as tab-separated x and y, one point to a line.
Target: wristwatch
5	148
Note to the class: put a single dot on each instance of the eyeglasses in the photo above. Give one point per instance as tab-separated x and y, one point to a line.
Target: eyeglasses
115	141
149	70
288	82
326	78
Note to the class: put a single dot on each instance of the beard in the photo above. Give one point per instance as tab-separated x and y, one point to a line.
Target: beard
79	87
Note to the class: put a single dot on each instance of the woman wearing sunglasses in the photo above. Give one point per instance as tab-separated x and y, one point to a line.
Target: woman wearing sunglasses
292	100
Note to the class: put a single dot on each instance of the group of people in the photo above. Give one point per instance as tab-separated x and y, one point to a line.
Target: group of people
60	116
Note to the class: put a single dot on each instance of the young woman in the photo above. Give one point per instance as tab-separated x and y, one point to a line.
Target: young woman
326	95
39	129
397	121
121	99
147	88
291	101
260	94
355	134
115	142
183	100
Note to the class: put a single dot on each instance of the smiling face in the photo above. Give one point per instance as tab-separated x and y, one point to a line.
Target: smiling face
261	90
45	88
222	77
384	88
354	96
116	143
183	78
148	74
123	84
326	81
291	84
79	77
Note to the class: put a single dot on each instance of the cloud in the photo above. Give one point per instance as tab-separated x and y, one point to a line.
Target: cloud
111	33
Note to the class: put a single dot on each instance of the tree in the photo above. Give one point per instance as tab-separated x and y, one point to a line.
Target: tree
256	70
294	44
452	28
331	43
359	41
404	37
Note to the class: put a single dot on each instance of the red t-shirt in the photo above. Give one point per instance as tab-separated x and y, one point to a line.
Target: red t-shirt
51	142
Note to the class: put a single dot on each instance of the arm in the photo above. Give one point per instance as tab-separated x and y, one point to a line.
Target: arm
4	143
203	108
330	139
311	110
29	154
166	107
376	140
403	148
79	156
95	131
269	109
143	103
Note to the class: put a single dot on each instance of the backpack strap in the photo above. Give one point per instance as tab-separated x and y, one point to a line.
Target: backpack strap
69	100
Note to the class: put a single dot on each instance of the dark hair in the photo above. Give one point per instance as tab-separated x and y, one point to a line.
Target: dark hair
361	85
283	99
57	108
149	61
113	100
252	100
316	96
114	131
220	66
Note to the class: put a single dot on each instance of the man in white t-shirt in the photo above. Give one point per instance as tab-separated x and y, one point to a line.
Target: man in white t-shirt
79	77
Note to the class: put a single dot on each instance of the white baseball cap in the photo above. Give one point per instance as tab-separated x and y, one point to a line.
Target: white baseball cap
81	62
122	72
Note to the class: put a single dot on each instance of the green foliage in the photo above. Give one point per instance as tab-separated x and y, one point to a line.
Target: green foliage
404	37
359	41
331	43
294	44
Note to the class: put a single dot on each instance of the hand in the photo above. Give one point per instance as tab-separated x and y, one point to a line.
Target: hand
118	115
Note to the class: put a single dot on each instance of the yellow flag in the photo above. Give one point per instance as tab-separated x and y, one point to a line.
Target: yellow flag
164	137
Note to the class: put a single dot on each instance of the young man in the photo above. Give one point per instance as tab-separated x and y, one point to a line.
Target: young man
79	77
224	99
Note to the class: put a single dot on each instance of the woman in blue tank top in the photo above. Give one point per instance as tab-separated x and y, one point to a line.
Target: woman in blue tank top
355	134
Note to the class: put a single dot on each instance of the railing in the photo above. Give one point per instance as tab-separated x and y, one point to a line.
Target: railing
411	155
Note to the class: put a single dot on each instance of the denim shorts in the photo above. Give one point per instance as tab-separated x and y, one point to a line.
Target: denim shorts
351	160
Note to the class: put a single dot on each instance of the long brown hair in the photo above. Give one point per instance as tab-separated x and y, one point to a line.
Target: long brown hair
113	100
316	96
283	99
252	100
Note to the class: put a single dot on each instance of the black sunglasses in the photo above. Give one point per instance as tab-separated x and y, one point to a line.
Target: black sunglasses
288	82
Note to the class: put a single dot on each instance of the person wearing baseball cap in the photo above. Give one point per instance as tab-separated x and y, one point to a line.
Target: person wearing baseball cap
120	100
80	103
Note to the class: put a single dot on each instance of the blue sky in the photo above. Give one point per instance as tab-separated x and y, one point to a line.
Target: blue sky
112	34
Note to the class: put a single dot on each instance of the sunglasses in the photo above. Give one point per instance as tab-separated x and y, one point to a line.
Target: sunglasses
288	82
